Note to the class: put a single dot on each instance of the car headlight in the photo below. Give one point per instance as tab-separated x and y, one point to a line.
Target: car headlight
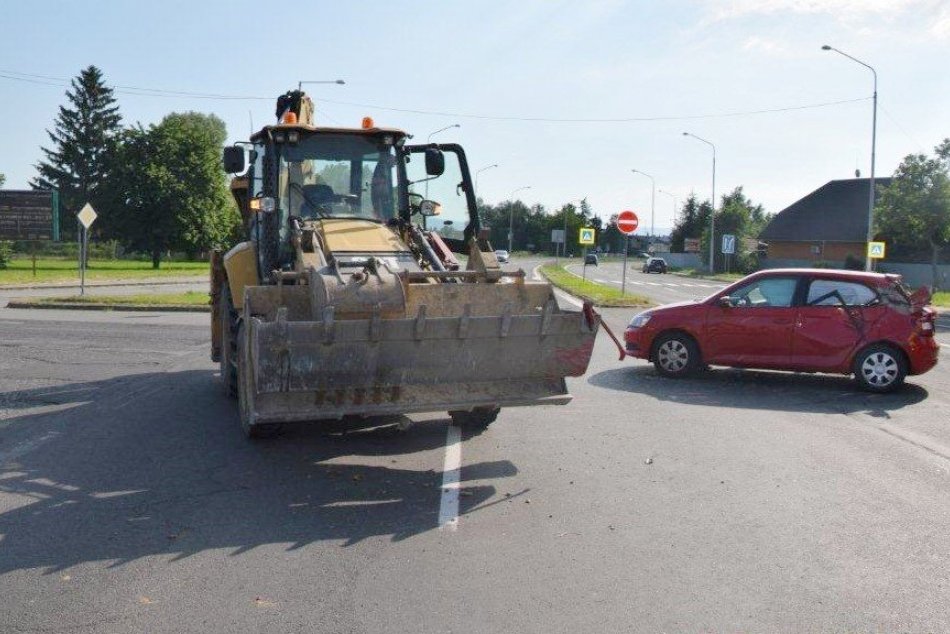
640	320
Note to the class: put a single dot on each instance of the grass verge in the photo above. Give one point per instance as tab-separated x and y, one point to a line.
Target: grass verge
20	270
720	277
941	298
598	294
188	301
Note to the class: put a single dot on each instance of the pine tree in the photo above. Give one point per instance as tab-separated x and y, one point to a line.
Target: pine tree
81	138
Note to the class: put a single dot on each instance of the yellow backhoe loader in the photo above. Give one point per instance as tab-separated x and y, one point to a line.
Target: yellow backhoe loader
366	286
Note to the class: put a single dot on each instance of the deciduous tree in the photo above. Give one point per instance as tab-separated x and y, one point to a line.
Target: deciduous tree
914	211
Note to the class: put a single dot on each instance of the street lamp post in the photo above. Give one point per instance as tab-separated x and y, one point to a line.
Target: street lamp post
712	216
868	262
675	206
477	172
321	81
652	203
448	127
511	218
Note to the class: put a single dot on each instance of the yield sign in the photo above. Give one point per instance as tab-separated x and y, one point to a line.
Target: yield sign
627	222
87	215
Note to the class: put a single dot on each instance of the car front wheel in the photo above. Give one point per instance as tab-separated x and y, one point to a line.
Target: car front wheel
676	355
880	368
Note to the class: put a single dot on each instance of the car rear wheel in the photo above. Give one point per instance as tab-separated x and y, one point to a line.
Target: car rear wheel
880	368
676	355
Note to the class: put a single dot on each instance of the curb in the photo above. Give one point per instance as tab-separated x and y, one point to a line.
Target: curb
170	308
580	299
133	282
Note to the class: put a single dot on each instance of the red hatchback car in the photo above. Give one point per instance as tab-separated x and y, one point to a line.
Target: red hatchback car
806	320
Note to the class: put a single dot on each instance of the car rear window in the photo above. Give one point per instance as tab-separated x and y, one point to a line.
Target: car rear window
840	293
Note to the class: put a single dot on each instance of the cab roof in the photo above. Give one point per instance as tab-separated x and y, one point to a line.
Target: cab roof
307	129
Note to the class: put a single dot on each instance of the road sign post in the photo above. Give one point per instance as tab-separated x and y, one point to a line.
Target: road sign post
627	223
86	216
586	237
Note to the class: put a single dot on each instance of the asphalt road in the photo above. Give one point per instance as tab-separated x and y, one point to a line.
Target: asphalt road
736	501
663	288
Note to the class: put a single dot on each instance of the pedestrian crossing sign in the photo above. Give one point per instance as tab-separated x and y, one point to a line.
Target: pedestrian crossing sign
876	250
587	235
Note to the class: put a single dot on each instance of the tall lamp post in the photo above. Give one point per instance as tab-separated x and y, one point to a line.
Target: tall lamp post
712	216
867	258
328	81
511	217
477	172
652	203
448	127
675	206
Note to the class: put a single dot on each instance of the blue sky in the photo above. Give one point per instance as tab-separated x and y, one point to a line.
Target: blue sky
607	59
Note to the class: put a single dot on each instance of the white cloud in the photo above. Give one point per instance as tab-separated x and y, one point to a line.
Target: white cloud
838	8
765	45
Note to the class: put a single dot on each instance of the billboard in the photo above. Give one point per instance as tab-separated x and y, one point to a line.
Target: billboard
691	245
28	215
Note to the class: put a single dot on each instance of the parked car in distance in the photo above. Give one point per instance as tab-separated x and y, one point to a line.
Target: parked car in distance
502	256
805	320
654	265
590	258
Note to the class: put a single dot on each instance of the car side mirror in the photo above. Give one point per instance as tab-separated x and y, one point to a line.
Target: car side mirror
435	162
234	159
726	302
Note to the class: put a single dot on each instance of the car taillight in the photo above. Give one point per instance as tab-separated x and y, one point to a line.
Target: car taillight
925	324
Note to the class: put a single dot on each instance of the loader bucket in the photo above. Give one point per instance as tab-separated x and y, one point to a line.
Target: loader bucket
310	370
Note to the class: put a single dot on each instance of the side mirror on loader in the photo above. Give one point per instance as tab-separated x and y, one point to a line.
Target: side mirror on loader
234	159
435	162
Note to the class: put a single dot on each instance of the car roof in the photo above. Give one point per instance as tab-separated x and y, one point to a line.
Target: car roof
868	277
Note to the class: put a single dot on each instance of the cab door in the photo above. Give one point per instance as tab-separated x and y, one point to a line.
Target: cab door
755	330
831	323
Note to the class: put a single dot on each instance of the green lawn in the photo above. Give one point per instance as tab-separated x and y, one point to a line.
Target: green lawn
20	270
941	298
722	277
599	294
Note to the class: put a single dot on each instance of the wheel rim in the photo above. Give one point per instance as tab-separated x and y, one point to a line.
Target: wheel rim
879	369
673	355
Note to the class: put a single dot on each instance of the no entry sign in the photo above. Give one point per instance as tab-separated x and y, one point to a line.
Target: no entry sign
627	222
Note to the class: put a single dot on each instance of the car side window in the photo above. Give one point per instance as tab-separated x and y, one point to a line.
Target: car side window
771	292
839	293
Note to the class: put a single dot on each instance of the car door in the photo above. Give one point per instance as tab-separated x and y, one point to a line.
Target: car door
755	330
831	323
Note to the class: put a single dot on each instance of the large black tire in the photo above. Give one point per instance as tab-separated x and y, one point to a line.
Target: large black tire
880	368
476	420
245	392
229	325
675	355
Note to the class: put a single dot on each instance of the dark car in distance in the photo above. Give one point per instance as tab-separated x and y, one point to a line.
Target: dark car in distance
590	258
805	320
655	265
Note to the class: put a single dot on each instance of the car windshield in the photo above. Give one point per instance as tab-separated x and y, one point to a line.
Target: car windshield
337	175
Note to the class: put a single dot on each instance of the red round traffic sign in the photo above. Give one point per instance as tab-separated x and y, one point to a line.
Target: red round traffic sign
627	222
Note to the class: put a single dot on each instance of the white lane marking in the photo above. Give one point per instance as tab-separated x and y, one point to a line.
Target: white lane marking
449	505
568	298
25	447
565	296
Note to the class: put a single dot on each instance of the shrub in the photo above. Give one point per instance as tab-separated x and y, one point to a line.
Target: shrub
6	252
853	263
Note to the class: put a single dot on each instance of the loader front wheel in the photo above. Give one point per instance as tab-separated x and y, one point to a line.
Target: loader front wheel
245	393
477	419
229	326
